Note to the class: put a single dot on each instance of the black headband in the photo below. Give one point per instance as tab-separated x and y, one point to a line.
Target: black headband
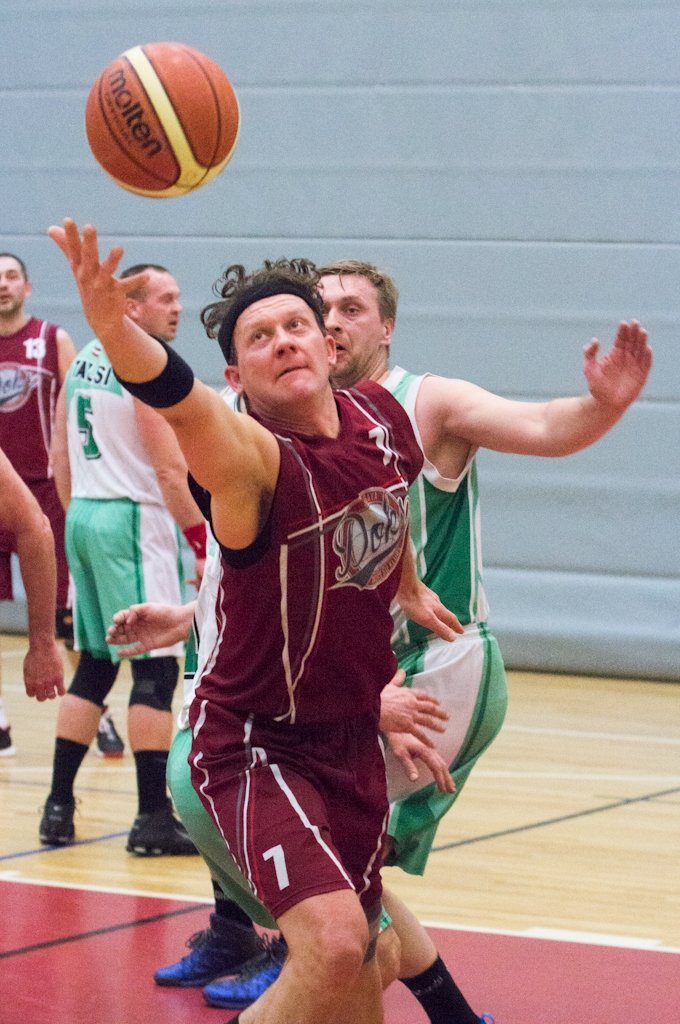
253	294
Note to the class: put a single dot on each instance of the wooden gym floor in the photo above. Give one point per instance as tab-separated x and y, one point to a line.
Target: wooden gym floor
553	891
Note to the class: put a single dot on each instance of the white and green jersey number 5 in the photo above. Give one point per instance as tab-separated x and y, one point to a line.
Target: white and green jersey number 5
83	414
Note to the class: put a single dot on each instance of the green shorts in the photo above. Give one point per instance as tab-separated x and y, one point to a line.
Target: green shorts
119	553
208	840
205	835
468	678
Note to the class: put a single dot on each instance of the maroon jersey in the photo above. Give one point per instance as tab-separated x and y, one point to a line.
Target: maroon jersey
29	383
304	612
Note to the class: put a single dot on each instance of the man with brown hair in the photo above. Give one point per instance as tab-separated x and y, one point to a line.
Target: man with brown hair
306	499
122	478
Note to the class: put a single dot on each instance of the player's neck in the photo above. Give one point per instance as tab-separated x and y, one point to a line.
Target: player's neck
316	417
378	372
383	373
13	324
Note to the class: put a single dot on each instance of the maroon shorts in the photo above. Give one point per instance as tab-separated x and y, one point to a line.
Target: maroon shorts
45	492
303	809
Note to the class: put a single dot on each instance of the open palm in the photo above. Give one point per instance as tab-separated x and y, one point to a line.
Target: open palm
617	378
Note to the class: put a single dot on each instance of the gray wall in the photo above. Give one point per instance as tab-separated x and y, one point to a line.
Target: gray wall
515	165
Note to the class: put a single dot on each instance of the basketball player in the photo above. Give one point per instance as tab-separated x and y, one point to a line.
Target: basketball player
306	497
34	358
21	516
452	419
122	477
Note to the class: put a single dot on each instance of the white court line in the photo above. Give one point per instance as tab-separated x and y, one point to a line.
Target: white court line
595	939
618	737
14	876
652	780
562	935
545	934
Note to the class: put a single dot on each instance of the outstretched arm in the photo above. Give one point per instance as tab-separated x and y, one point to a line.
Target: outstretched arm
456	413
232	456
149	626
616	379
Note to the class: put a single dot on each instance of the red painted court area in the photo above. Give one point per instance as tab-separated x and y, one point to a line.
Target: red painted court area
73	956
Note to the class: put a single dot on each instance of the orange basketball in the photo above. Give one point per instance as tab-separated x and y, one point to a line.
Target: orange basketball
162	119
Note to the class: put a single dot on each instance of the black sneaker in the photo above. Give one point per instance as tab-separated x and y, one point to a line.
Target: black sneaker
56	826
254	978
7	748
159	833
109	743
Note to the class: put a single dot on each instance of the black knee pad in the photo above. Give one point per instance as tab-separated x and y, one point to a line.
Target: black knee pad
154	682
93	678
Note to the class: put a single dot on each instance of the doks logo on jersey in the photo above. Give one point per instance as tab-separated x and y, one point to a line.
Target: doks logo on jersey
17	383
369	539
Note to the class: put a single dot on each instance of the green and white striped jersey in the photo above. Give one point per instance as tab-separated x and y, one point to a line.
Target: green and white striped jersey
445	530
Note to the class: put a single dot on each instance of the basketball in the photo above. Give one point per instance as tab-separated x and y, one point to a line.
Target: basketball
162	119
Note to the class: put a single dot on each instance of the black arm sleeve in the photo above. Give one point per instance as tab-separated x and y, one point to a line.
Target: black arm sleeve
172	384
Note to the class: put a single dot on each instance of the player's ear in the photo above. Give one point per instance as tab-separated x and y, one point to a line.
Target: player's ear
332	351
233	378
131	309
